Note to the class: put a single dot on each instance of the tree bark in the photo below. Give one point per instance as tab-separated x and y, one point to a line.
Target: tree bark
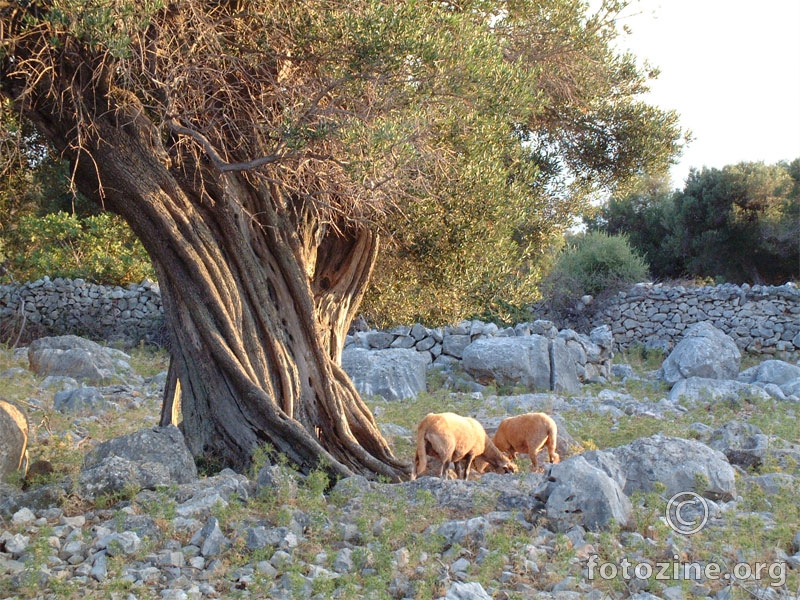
258	294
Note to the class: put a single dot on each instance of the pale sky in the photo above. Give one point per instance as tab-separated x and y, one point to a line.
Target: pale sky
730	68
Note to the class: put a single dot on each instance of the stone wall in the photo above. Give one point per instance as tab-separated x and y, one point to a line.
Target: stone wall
760	319
65	306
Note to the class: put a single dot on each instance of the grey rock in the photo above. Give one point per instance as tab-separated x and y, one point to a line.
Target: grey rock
99	570
578	493
791	388
466	591
343	563
777	372
81	400
163	445
394	374
273	479
115	474
693	390
510	361
119	544
73	356
454	344
13	440
742	443
772	483
622	371
210	538
603	337
470	532
563	370
704	351
677	463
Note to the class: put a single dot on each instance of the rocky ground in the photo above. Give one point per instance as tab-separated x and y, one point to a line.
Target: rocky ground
126	514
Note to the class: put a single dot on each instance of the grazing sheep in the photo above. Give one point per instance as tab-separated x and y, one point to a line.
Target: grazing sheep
453	438
528	434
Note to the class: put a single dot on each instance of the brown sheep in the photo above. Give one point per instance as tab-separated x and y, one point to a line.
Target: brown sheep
528	434
453	438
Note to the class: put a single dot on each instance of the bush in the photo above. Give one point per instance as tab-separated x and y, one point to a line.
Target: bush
100	248
593	263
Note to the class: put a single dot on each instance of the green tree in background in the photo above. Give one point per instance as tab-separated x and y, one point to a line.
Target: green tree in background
740	223
259	149
46	228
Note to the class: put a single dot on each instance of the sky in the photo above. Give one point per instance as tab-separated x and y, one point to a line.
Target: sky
730	68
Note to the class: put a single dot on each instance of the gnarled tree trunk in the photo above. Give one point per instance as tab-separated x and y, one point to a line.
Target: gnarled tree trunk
258	291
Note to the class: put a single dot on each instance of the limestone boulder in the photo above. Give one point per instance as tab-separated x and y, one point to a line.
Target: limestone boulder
681	465
694	390
76	357
13	440
510	361
576	492
394	373
162	446
774	373
705	351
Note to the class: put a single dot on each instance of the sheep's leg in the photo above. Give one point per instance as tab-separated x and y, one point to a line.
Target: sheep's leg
551	450
468	464
533	453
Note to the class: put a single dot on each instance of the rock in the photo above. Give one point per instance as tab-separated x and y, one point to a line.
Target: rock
76	357
692	390
773	483
681	465
466	591
394	374
276	479
563	368
116	474
159	445
777	372
510	361
471	532
742	443
13	440
577	493
454	344
622	371
705	351
210	539
81	400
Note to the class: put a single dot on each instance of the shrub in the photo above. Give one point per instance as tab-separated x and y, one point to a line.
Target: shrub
593	263
98	248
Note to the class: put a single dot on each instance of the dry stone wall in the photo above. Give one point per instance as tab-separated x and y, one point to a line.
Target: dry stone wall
74	306
760	319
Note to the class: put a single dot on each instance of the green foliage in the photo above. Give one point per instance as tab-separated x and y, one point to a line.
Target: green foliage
98	248
740	223
471	133
592	263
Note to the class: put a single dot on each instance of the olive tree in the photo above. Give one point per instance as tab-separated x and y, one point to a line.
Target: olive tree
258	149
